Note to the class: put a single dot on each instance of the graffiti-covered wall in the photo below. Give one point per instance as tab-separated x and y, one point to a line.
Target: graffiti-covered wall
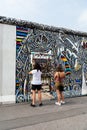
58	45
67	49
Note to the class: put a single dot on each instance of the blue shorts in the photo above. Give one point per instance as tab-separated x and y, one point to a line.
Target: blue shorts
36	87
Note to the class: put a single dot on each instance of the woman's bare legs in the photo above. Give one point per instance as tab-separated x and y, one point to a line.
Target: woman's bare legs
62	96
58	96
39	96
33	97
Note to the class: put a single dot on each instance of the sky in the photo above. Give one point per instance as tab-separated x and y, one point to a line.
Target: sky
69	14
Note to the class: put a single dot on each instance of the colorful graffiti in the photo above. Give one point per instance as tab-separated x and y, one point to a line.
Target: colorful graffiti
21	33
22	66
66	64
63	48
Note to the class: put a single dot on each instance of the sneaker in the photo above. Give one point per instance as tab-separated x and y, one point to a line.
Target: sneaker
33	105
62	102
58	103
41	104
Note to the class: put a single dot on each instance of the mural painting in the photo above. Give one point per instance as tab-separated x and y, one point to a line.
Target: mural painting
50	48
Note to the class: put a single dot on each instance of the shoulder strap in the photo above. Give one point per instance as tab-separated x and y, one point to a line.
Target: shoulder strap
59	77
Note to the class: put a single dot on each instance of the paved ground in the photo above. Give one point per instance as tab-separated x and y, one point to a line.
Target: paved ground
71	116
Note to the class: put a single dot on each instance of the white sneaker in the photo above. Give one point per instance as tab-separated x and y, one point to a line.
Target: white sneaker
58	103
62	102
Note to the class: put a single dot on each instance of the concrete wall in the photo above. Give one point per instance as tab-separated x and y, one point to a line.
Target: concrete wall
71	41
7	63
0	62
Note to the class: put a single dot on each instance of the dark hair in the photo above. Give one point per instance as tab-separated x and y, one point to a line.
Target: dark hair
37	66
59	68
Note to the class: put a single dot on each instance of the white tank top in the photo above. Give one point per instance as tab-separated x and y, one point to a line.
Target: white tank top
36	79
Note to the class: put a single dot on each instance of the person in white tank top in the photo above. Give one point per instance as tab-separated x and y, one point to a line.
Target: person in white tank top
36	84
36	79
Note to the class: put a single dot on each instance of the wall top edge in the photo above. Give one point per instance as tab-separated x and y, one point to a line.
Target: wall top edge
33	25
